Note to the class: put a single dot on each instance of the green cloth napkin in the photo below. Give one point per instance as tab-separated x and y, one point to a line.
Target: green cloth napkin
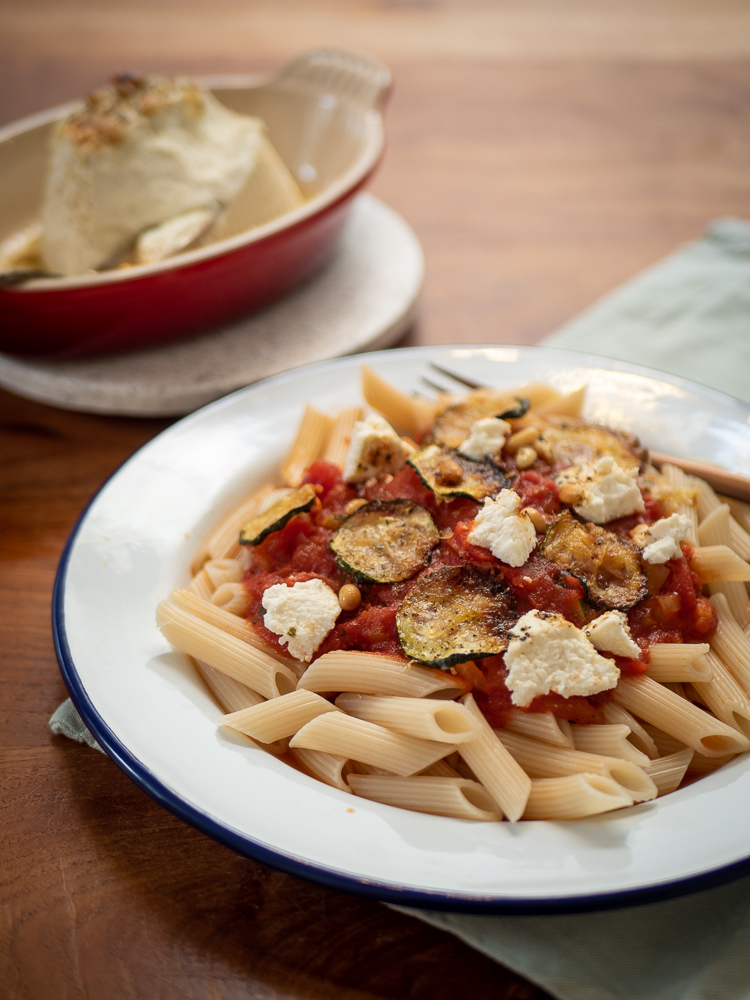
690	316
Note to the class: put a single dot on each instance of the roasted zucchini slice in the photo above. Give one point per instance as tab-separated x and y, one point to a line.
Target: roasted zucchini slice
575	441
385	541
454	614
609	566
522	407
450	474
278	514
454	424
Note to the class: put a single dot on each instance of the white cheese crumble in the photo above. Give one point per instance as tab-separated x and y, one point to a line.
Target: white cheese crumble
608	491
546	653
376	449
510	536
610	633
487	437
664	537
301	615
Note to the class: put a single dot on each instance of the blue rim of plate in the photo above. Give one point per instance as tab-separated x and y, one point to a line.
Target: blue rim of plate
382	891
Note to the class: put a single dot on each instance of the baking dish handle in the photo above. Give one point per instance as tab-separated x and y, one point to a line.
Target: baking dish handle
350	76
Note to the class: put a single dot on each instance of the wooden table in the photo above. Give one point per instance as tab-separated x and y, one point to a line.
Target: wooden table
544	153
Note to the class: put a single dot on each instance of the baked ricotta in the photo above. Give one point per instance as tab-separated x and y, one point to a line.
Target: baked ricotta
499	527
301	615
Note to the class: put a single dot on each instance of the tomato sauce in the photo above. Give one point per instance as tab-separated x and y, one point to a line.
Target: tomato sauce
674	611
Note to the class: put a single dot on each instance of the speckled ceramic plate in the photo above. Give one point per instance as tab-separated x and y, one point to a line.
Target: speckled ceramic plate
152	715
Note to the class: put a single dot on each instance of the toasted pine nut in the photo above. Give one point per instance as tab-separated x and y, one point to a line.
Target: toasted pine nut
349	597
525	457
536	517
528	435
570	493
449	473
544	450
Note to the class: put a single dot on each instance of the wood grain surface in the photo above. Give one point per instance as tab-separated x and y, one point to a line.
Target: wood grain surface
544	153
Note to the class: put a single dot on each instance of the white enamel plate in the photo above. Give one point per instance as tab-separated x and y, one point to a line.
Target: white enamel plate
151	713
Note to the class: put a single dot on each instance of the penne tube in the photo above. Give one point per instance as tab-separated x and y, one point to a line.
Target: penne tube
407	414
213	614
675	662
324	766
340	437
495	768
617	715
608	741
665	743
724	696
715	530
278	718
232	597
444	721
456	797
730	643
719	564
231	695
373	673
220	571
542	726
575	796
309	444
569	405
343	736
708	501
544	761
700	764
739	510
687	485
223	651
200	585
667	772
677	716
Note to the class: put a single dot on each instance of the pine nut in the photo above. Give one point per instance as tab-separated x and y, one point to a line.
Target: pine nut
536	517
528	435
525	457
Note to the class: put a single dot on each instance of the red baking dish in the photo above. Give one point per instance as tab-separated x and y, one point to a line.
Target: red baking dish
324	116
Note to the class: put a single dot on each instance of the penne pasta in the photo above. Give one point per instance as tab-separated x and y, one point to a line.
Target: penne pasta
667	772
608	741
231	695
575	796
410	415
278	718
639	737
372	673
686	485
715	530
342	736
496	769
440	796
677	662
724	696
684	721
232	597
309	444
543	761
340	437
325	767
444	721
225	652
542	726
719	564
730	643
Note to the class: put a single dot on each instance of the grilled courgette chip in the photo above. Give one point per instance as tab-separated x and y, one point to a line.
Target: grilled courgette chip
608	566
454	614
278	514
453	425
385	541
450	474
575	441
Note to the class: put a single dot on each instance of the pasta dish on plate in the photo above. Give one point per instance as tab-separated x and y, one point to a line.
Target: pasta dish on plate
483	607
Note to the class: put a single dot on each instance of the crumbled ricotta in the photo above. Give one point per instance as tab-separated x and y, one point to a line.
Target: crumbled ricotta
487	437
302	615
510	536
664	537
607	490
610	633
547	653
376	449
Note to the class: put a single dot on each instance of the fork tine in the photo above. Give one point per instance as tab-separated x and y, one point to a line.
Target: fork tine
456	378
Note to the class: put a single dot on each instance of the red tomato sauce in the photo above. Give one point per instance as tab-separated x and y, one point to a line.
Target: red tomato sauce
674	612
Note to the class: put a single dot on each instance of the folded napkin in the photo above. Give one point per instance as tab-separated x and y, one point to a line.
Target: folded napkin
690	316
